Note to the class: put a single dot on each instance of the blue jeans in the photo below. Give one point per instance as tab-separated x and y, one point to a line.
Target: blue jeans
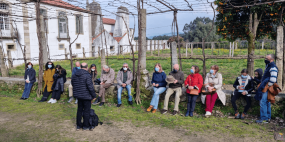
128	87
265	107
27	90
191	102
155	97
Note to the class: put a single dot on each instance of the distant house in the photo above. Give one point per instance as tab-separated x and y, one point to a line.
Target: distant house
61	23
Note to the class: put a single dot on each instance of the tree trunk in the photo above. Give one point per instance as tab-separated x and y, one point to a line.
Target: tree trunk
40	80
137	99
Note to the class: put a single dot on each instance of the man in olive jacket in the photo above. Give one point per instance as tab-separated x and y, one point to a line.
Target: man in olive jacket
107	79
84	91
124	79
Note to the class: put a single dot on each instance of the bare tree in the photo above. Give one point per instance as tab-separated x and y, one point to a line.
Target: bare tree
70	43
23	47
138	100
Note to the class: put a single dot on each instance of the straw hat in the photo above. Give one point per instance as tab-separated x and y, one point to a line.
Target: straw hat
169	79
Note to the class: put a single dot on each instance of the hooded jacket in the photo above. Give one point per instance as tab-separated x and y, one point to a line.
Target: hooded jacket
257	80
159	78
82	85
59	80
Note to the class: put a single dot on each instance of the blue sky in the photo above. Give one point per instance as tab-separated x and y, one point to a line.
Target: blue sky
157	24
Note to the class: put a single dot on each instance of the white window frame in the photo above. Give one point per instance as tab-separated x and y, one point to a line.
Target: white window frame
4	21
62	25
79	21
77	46
8	44
61	44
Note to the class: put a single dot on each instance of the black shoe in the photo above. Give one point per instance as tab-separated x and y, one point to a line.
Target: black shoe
119	105
21	98
95	102
174	112
163	111
101	104
131	102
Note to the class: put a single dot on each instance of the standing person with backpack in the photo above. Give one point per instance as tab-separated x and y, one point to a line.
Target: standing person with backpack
58	84
30	79
84	91
48	79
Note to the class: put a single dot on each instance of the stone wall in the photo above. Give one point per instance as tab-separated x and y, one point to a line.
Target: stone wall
112	91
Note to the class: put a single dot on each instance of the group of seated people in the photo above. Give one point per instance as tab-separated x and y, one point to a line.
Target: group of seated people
55	77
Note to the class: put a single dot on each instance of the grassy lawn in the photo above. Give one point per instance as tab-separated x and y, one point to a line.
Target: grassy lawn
229	68
137	115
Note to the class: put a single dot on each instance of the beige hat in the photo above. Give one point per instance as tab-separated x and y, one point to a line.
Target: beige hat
169	79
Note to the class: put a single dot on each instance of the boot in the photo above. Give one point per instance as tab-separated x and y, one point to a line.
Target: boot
237	115
154	110
191	114
95	102
70	99
149	109
187	114
43	99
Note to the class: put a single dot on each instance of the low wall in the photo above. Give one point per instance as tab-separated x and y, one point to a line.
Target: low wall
18	83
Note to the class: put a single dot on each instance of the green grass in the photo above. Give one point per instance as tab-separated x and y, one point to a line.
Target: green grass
137	115
229	68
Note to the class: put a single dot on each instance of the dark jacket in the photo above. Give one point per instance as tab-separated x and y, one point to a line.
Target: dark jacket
32	75
179	76
59	80
74	70
159	78
248	84
266	78
93	76
82	85
257	80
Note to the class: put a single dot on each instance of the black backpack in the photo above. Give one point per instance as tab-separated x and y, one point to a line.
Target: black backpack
94	119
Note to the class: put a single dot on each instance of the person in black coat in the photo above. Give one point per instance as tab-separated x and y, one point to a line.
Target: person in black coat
58	84
243	87
256	79
30	79
84	91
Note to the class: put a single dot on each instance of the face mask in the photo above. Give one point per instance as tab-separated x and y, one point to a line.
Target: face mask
156	69
266	62
125	69
78	67
192	71
29	66
92	69
211	71
242	76
49	66
174	70
57	70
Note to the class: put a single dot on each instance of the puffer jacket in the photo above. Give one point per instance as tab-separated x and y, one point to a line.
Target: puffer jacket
48	79
59	80
82	85
195	80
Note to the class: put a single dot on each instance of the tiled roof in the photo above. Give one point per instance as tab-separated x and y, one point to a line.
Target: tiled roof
109	21
119	38
62	4
111	34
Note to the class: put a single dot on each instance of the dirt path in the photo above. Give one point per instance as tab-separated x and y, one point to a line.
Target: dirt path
28	127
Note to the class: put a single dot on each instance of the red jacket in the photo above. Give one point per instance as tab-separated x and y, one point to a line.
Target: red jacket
195	80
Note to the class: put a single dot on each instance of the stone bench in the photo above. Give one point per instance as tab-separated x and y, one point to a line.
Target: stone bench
111	92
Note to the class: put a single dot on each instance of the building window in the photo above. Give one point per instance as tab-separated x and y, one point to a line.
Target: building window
112	48
4	21
11	47
61	47
78	46
79	24
62	25
4	6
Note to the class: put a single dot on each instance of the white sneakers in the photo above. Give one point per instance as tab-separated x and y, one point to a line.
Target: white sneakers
52	101
208	113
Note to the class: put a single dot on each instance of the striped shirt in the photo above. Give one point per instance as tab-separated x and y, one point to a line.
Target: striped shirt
242	84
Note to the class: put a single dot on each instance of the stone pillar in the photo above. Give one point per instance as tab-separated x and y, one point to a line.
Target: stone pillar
236	46
186	46
66	53
191	44
230	50
262	45
10	61
83	50
164	45
174	59
103	58
279	54
150	47
212	47
158	46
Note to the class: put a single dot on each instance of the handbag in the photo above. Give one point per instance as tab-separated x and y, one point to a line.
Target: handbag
193	91
205	89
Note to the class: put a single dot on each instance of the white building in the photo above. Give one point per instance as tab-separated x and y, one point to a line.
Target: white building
61	23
